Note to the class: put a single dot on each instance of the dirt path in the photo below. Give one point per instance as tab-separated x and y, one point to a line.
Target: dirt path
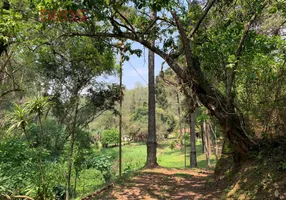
164	183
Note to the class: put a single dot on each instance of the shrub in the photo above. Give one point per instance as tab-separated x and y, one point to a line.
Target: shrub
109	137
103	164
172	145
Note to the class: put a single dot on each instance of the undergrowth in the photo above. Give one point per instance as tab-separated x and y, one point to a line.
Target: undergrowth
262	175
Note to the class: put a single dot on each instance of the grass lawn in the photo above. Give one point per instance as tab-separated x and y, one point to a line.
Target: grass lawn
134	156
176	158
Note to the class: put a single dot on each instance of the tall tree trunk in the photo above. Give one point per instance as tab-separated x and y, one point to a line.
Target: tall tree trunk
151	139
120	111
193	152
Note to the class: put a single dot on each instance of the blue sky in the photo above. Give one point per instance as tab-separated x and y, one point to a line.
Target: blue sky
130	76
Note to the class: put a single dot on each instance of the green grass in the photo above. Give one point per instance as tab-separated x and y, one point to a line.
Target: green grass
134	156
176	158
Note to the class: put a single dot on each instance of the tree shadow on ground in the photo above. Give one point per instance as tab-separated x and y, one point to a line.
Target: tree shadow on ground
164	183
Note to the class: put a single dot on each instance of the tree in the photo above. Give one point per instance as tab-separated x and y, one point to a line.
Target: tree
192	75
193	151
230	54
15	18
78	99
109	137
207	140
151	138
191	104
169	97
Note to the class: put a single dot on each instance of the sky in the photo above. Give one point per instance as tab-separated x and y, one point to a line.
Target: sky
130	76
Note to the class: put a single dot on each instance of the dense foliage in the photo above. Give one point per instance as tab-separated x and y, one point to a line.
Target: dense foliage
226	65
109	137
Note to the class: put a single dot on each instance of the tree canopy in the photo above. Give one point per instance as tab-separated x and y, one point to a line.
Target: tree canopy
224	56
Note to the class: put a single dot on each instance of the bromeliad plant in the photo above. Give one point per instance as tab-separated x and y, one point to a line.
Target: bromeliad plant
31	111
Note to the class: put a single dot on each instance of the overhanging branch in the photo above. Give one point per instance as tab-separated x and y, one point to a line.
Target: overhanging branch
194	30
124	35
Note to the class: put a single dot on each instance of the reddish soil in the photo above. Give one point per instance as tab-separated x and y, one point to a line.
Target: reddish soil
161	183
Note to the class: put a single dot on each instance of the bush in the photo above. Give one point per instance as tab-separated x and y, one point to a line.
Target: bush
172	145
20	173
103	164
17	164
109	137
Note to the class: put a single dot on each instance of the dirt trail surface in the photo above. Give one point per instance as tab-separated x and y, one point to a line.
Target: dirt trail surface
161	183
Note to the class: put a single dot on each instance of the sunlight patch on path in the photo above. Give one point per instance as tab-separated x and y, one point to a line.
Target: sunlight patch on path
162	183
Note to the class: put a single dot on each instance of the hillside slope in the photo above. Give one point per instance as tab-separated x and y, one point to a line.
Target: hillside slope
261	176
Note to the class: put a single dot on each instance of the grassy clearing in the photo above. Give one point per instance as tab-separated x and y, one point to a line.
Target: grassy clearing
134	156
176	158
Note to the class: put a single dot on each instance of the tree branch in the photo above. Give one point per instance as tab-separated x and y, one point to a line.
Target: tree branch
185	40
150	26
245	33
126	20
210	97
194	30
92	118
116	25
145	43
6	62
16	197
238	52
168	82
9	91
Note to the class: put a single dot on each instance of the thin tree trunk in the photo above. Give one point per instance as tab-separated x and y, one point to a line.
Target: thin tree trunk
180	122
203	137
120	115
207	143
151	139
185	143
75	183
42	167
68	189
193	153
215	145
210	142
73	132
